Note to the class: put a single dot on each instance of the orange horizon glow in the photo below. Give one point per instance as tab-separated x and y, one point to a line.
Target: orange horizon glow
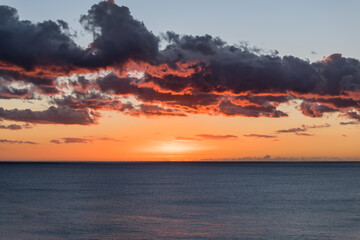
177	139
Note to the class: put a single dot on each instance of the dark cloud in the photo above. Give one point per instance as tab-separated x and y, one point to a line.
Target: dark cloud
16	142
302	131
190	75
53	115
11	127
292	130
259	135
304	134
315	109
353	115
82	140
28	125
76	140
29	45
70	140
36	78
154	110
335	103
230	109
216	137
99	101
118	37
325	125
92	100
130	86
49	44
225	67
350	123
9	92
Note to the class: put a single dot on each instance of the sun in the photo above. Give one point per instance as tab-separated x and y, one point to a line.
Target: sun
171	147
175	147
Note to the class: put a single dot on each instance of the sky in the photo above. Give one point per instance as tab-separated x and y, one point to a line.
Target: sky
179	80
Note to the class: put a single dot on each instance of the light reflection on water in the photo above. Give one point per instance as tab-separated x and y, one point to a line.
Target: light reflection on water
180	201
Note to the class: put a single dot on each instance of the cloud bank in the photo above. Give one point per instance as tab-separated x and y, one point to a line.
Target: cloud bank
190	75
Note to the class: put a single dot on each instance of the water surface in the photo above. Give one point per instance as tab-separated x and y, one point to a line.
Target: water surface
180	201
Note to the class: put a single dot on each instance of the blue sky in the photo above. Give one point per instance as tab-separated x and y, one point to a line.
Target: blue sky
299	28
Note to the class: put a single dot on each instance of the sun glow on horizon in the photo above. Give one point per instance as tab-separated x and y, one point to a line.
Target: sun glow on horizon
172	147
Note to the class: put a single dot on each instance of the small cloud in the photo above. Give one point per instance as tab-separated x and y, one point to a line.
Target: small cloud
292	130
302	131
28	125
353	115
304	134
216	137
83	140
16	141
259	136
11	127
325	125
55	141
349	123
76	140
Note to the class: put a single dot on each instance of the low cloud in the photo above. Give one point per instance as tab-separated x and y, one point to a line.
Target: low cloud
292	130
349	123
53	115
82	140
315	110
55	141
304	134
302	131
11	127
259	135
76	140
325	125
16	141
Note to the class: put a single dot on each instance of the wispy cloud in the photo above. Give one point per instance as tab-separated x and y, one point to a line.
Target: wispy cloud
82	140
302	131
304	134
325	125
292	130
259	135
16	141
16	126
55	141
350	123
11	127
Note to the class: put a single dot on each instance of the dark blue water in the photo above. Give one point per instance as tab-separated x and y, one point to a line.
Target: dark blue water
180	201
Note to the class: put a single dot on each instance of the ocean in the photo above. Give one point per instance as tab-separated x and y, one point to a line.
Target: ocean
180	200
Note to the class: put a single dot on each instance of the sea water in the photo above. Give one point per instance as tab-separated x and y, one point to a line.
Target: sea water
180	200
